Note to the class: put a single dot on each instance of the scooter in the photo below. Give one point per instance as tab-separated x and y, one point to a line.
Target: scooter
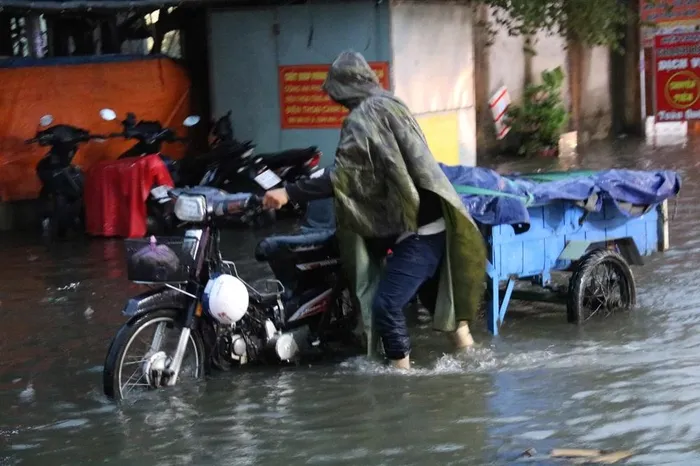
212	317
150	136
289	165
221	161
62	183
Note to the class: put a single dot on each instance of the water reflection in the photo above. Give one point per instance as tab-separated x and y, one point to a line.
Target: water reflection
626	383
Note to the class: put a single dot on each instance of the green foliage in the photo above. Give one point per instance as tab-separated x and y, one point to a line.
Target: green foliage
590	22
541	118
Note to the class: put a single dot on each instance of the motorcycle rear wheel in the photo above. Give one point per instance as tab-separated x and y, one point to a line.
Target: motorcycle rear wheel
117	365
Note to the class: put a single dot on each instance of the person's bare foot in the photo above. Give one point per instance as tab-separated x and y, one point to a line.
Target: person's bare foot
404	363
463	336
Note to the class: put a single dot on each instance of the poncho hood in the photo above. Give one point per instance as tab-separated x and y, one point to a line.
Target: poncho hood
351	80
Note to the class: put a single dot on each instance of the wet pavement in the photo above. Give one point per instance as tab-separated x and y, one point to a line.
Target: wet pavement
629	382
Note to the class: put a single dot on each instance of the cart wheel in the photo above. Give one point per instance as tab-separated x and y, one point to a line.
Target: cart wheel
601	284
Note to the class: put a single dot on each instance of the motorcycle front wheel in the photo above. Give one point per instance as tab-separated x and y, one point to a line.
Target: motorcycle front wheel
140	355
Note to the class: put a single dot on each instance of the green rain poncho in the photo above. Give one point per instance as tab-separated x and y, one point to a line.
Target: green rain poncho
381	158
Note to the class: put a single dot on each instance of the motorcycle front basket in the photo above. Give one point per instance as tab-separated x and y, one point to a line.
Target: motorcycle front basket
168	260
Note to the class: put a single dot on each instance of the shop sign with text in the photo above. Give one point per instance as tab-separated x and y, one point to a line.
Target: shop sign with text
677	77
664	16
304	105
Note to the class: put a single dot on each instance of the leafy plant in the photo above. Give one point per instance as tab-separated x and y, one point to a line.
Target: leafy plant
590	22
541	118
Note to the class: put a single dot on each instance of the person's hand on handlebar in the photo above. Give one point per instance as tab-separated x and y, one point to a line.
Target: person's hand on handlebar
275	199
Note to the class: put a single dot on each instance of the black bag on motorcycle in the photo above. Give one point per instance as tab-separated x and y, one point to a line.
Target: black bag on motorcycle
154	263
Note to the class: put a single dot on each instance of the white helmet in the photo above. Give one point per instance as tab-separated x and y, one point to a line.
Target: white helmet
226	299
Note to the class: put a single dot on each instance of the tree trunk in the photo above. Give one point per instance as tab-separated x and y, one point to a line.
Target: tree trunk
485	133
633	121
575	62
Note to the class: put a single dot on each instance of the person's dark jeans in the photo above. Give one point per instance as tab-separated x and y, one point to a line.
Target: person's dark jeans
413	267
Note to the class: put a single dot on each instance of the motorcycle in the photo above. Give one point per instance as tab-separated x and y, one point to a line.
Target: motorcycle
251	175
62	183
216	319
150	136
221	161
289	165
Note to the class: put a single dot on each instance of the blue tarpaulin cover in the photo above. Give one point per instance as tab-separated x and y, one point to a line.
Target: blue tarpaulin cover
494	199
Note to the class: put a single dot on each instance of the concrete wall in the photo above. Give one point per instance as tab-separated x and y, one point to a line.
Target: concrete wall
433	72
550	52
511	66
245	52
507	63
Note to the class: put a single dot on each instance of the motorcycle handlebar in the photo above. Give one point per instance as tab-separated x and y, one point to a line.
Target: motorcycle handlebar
255	201
230	205
82	139
153	139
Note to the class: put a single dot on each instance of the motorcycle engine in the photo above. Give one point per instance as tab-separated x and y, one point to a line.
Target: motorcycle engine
246	341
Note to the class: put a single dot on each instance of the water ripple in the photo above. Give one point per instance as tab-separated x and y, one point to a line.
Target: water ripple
627	383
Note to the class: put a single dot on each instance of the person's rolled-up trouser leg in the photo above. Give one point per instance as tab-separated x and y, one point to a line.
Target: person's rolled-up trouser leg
414	260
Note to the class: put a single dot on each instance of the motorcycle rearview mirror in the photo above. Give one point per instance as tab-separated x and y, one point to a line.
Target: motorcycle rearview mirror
46	120
191	120
108	114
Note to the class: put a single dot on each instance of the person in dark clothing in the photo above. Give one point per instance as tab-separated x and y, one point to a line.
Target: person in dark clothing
410	269
390	191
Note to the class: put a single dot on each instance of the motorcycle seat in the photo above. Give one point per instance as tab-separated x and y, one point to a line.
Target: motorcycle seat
272	245
289	156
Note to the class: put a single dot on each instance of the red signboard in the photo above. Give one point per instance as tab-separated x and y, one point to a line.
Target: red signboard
670	12
664	16
304	105
677	76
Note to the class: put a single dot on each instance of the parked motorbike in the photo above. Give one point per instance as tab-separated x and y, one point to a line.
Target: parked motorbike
214	318
289	165
221	161
251	175
232	166
62	183
150	136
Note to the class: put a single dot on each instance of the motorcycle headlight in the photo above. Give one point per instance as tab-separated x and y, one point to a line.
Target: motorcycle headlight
191	208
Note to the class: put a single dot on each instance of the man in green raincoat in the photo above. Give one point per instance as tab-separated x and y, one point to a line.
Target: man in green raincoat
390	194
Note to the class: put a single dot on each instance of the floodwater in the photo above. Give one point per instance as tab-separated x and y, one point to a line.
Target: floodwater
631	382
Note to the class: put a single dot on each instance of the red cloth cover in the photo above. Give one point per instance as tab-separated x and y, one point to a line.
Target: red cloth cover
116	192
